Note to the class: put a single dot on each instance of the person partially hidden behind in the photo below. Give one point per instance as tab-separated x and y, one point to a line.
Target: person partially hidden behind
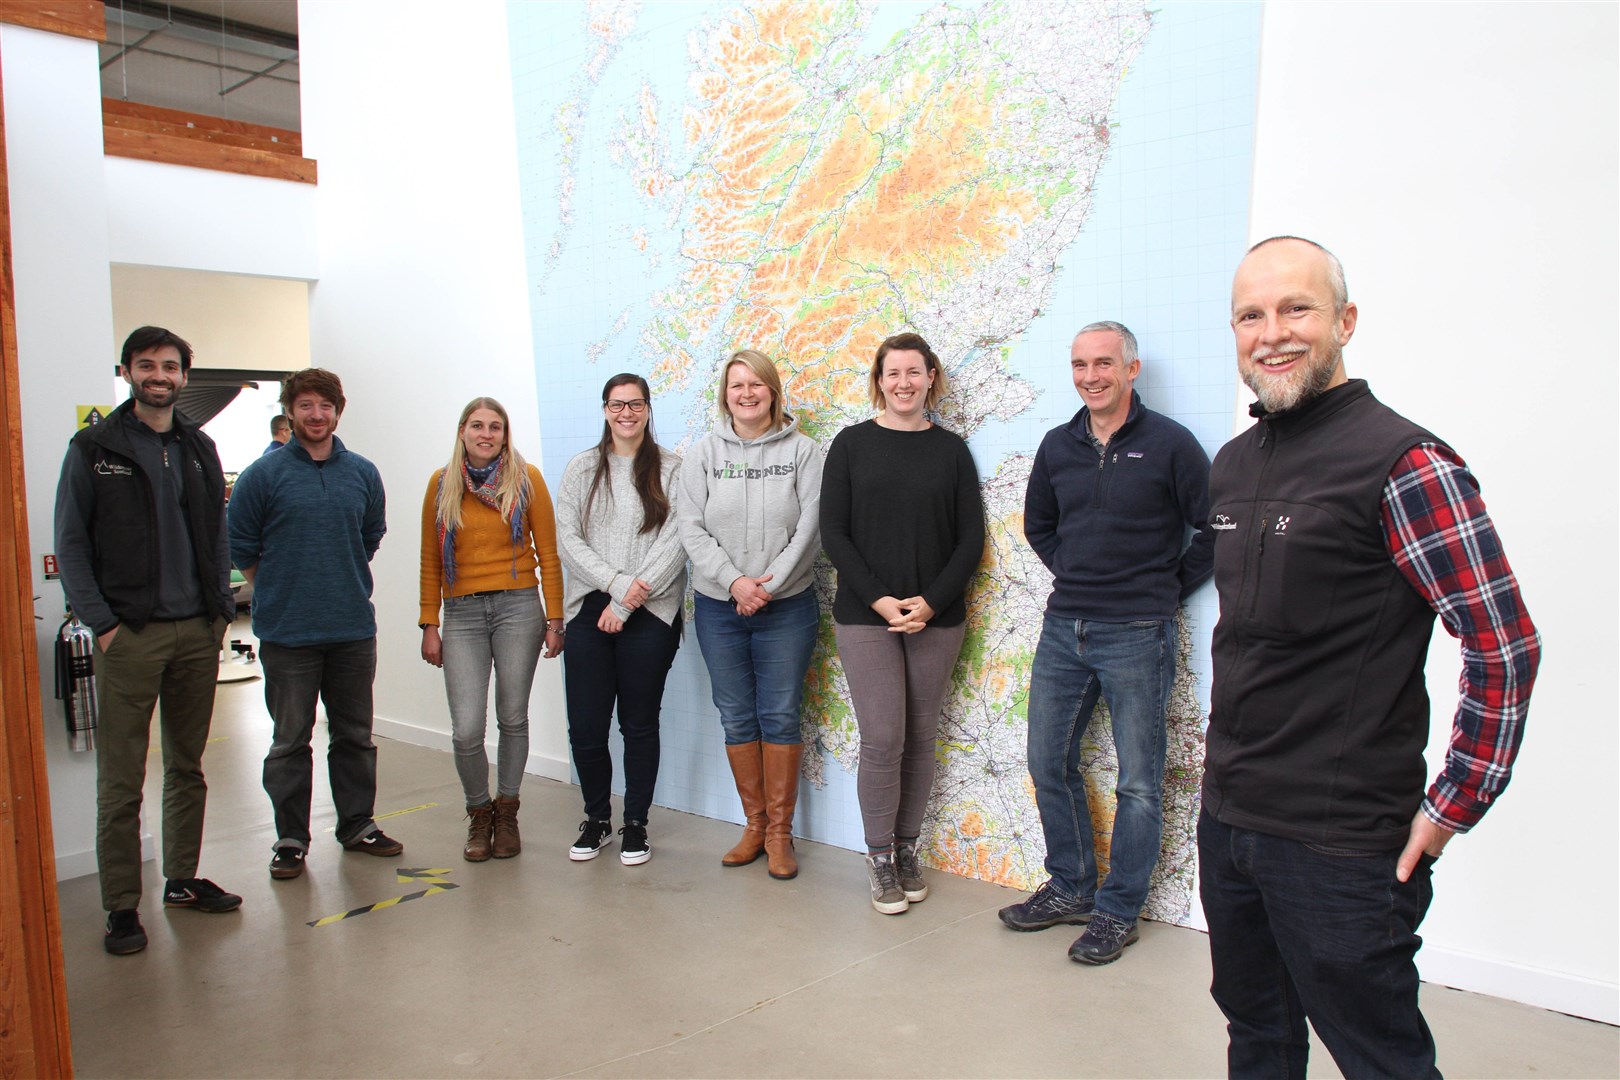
280	433
140	539
1341	530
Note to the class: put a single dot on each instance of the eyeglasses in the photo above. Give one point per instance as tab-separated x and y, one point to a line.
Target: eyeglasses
635	405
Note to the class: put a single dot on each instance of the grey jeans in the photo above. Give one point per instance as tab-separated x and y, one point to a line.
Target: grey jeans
897	683
504	630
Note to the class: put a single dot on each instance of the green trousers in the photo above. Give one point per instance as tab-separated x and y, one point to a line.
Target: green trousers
177	663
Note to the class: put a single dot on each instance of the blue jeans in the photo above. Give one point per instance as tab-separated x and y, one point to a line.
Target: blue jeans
626	670
506	630
757	664
1131	666
1301	930
340	674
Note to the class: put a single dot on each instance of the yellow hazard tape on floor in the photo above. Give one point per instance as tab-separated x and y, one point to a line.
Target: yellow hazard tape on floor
393	813
436	878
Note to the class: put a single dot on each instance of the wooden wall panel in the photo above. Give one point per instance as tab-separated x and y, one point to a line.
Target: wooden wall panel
203	142
78	18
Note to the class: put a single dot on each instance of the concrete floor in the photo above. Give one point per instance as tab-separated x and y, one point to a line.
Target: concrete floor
537	966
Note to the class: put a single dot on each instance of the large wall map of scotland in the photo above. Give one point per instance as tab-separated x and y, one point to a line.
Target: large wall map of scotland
807	178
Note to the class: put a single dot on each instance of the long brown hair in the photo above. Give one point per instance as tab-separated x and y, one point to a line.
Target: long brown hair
646	470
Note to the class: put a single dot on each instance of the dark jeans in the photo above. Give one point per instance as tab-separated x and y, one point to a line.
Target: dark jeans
340	674
757	664
1131	666
1302	930
628	668
178	662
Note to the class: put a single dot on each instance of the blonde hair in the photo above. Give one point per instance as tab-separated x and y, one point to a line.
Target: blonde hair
760	365
907	342
514	470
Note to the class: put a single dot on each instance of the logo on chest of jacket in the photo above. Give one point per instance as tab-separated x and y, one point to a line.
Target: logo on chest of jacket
112	468
1282	525
1133	453
1222	523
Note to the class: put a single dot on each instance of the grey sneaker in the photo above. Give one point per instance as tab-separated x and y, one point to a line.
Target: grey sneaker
887	895
909	870
1105	938
1047	907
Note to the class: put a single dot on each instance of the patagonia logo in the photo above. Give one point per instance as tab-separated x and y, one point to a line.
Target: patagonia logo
109	468
1222	523
1133	453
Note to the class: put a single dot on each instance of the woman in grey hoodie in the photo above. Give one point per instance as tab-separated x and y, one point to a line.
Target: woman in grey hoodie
748	514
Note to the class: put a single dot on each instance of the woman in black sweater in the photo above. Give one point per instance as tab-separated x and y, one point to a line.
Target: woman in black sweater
903	523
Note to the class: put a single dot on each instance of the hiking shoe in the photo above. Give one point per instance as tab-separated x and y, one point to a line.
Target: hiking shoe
909	870
480	829
125	934
634	850
376	842
287	863
1047	907
1105	938
594	835
887	895
199	894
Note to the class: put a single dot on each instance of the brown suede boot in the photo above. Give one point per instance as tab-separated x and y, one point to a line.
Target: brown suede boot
507	842
781	796
747	769
479	822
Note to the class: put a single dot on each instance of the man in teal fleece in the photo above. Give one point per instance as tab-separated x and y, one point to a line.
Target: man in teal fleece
304	524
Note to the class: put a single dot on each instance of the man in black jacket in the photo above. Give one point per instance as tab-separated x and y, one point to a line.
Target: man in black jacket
1111	499
140	539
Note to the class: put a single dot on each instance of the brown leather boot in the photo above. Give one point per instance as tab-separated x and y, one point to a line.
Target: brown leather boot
507	842
479	823
747	769
781	796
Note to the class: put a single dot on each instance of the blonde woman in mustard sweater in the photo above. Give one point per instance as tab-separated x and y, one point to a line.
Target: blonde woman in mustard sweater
487	527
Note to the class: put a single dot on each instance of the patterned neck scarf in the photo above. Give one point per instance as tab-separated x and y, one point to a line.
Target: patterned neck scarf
485	485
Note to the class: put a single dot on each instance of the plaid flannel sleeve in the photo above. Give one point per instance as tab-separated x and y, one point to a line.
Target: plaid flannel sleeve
1442	541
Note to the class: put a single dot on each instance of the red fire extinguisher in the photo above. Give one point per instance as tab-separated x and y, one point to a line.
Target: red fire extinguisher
76	681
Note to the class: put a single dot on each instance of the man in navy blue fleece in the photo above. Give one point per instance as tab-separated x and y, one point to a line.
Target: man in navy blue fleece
304	524
1111	499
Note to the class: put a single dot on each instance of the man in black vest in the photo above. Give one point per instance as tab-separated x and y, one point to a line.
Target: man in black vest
140	540
1342	529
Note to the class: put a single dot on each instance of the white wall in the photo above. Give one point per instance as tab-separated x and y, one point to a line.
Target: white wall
422	300
1461	161
64	338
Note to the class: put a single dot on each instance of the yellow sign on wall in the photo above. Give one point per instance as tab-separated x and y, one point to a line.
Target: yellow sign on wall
90	415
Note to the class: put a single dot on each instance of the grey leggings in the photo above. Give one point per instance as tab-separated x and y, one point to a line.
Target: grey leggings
897	683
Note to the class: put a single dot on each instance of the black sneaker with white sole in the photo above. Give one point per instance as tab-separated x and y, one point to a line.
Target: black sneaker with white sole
199	894
594	835
376	842
634	850
125	934
286	863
